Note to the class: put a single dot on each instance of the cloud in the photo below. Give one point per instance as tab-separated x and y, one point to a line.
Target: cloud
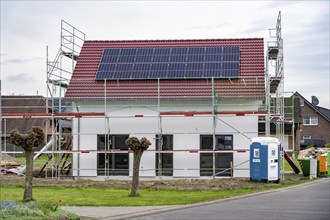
19	60
20	77
208	27
27	27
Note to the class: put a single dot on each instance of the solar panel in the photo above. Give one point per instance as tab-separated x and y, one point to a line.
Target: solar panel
169	63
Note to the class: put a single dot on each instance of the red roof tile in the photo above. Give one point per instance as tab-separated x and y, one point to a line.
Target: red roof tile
250	84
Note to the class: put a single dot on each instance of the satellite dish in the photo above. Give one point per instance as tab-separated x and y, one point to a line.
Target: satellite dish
315	100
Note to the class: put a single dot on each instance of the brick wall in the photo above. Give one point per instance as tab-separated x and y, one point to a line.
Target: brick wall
320	131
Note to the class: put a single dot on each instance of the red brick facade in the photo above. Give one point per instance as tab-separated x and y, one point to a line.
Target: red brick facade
321	131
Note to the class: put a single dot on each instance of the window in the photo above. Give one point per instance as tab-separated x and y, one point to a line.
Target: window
222	160
164	160
310	121
206	142
206	164
112	163
223	142
307	137
302	103
222	163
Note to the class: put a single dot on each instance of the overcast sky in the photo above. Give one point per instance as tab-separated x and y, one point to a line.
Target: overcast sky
27	27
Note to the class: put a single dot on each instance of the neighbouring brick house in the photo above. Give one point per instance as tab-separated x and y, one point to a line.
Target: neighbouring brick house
18	105
312	123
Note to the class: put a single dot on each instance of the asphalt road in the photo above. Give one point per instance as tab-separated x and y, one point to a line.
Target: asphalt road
307	202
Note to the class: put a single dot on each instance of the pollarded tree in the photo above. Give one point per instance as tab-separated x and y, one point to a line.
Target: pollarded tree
138	147
34	138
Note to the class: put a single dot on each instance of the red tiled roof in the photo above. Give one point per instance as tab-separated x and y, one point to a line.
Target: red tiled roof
250	84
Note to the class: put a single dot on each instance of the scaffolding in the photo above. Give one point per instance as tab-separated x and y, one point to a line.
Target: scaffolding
269	110
59	72
275	86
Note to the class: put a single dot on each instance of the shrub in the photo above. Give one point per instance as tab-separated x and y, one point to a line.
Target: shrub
33	210
13	210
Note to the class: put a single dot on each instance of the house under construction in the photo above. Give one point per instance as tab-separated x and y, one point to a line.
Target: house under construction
199	102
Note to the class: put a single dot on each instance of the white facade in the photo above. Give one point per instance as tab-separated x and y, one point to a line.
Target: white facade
186	133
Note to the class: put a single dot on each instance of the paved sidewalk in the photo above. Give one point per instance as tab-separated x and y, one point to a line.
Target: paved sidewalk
137	211
116	212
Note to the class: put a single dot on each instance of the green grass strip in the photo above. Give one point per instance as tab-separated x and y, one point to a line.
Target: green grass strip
76	196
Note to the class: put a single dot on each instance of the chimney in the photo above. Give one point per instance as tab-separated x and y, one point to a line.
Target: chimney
315	100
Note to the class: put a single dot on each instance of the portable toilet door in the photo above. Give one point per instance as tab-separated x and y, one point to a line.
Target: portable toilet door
274	161
265	159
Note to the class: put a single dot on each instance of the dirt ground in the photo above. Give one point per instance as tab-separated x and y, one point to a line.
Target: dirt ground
175	183
178	184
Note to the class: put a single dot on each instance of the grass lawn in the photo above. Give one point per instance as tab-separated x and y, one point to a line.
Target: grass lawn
287	167
41	160
88	196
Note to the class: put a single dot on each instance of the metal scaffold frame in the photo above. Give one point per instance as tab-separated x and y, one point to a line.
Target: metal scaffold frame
59	74
275	87
275	81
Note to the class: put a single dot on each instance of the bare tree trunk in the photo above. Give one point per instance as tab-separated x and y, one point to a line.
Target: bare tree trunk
29	175
136	170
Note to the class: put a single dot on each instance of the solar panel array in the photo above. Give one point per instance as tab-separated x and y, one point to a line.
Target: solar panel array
169	63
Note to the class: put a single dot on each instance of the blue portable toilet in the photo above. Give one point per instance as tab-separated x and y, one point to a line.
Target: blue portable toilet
265	159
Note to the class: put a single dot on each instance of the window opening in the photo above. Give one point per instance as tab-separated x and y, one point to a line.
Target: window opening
112	164
166	158
222	160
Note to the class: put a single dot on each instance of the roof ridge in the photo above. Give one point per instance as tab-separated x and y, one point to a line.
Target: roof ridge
323	108
175	40
315	107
